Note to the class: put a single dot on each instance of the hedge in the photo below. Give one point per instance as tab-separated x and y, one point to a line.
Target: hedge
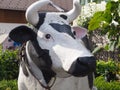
8	85
101	84
8	64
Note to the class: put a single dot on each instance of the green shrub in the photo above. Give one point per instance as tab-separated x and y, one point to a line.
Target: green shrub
109	66
8	64
8	85
101	84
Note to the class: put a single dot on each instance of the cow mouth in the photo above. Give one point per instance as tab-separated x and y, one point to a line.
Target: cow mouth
83	66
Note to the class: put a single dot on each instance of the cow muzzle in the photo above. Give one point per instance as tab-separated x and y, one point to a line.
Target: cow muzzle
83	66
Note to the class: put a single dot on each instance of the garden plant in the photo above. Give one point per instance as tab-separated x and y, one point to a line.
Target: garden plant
8	69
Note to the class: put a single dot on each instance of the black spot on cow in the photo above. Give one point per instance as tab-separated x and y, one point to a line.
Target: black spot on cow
41	20
63	16
42	60
62	28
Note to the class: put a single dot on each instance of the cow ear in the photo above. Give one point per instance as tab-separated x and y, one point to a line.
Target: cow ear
79	32
21	34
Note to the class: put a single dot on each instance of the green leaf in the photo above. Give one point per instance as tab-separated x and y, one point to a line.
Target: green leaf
112	45
112	5
107	16
106	47
97	49
96	20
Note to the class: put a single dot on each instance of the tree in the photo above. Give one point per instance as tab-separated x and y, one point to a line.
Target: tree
108	21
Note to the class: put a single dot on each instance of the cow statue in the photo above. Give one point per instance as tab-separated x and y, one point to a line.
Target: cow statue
53	54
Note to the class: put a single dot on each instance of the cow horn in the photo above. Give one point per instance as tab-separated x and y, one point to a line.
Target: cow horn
74	12
32	11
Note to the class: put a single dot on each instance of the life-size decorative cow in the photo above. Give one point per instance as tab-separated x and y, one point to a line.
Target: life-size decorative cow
54	56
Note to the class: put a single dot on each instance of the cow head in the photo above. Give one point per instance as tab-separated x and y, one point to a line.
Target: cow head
53	33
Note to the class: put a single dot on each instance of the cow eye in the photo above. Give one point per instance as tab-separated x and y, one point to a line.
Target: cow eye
47	36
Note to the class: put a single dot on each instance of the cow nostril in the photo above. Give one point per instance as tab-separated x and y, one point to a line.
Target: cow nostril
89	61
83	66
79	61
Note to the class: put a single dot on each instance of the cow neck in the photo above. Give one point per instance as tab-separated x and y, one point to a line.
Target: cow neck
43	61
48	74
